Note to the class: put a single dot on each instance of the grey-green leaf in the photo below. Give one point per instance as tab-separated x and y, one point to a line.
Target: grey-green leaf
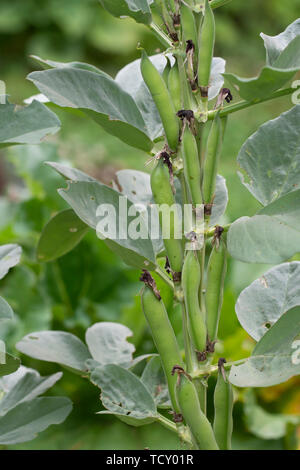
59	65
264	424
275	45
107	343
283	61
276	357
270	158
124	394
154	379
24	385
56	346
86	199
268	81
6	312
23	422
9	256
272	236
135	185
60	235
220	200
70	173
139	10
262	303
26	124
100	97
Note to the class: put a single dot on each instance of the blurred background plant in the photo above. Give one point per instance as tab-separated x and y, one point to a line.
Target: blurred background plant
90	284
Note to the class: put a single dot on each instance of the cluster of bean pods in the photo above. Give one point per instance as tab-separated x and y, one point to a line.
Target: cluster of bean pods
180	94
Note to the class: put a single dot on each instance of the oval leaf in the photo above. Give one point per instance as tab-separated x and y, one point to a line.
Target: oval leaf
261	304
272	236
108	343
270	158
124	394
9	256
275	358
6	312
56	346
86	198
139	10
26	124
283	61
98	96
23	422
275	45
61	234
154	379
24	385
268	81
263	424
220	200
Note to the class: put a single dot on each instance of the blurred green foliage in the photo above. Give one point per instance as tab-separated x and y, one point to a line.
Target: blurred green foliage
90	284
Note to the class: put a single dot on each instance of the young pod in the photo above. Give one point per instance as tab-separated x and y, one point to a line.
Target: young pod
188	24
191	277
193	415
174	87
216	272
191	166
212	154
164	338
223	402
164	197
206	46
162	100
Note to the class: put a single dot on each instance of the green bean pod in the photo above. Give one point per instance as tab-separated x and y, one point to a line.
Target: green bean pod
212	155
188	24
206	46
191	276
164	339
191	164
162	100
193	415
216	272
223	402
174	87
163	195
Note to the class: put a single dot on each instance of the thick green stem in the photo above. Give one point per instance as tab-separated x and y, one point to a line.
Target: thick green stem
179	429
210	370
246	104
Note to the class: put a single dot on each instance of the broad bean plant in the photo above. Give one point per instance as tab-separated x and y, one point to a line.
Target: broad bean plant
174	107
